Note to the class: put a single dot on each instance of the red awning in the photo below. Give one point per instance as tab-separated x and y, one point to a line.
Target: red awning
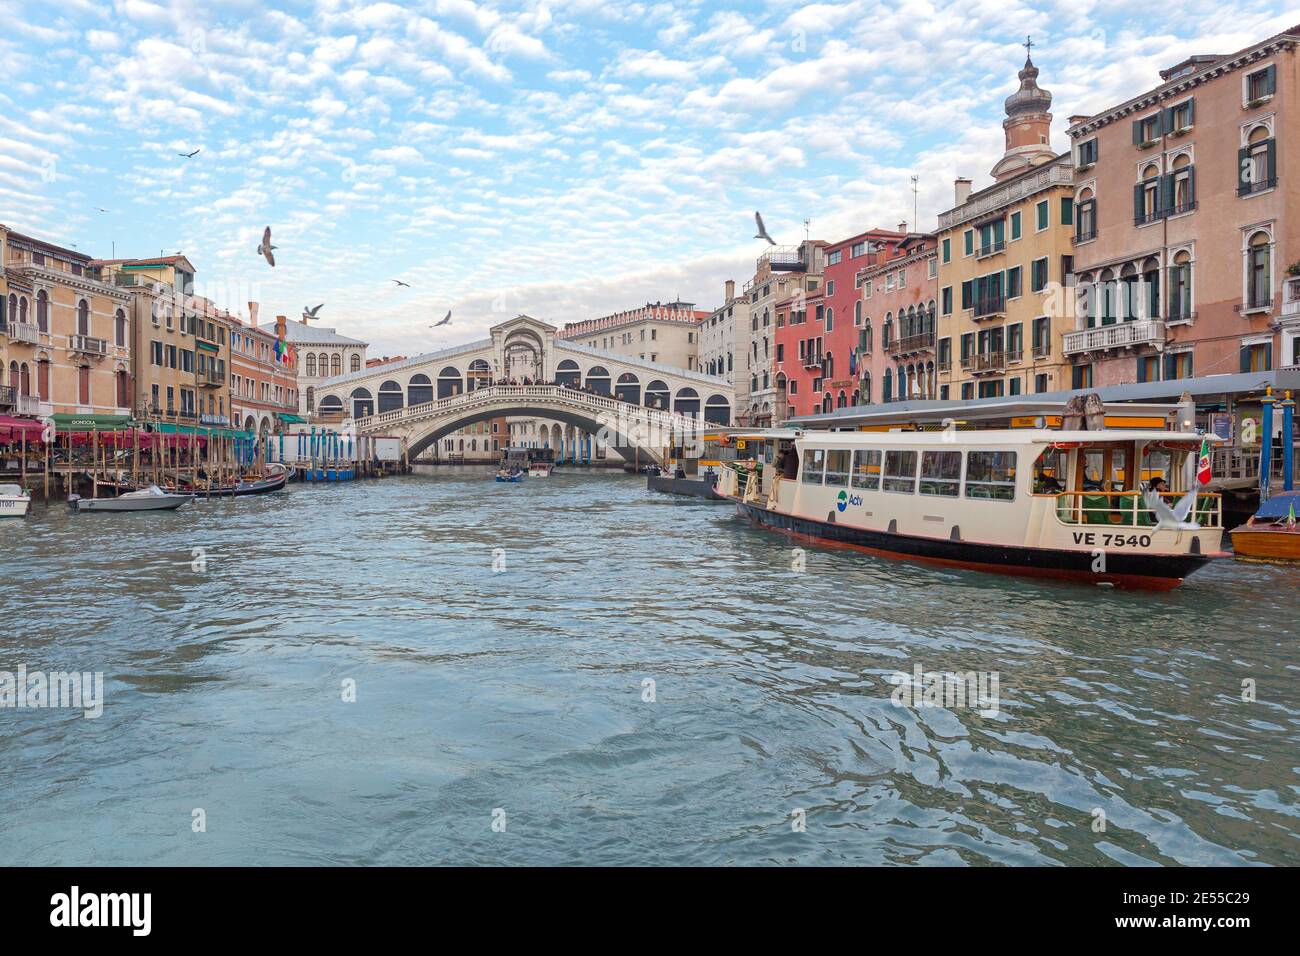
14	429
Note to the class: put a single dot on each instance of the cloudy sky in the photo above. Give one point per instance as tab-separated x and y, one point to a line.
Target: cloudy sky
564	158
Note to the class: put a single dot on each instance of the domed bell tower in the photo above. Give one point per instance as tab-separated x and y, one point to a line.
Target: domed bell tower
1028	126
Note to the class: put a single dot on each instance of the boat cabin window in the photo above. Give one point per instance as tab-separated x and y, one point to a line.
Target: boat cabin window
1052	472
1157	463
866	469
837	466
900	472
814	460
991	474
941	473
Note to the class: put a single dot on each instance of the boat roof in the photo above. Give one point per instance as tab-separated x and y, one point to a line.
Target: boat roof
765	434
973	410
1280	505
1001	436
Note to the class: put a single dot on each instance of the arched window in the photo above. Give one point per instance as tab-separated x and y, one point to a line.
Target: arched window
1184	184
628	389
842	401
887	386
390	396
687	402
24	379
356	362
83	317
1259	271
866	388
331	404
1180	287
42	310
478	375
310	369
362	403
336	364
1146	201
450	382
656	395
419	390
567	374
857	313
598	379
119	328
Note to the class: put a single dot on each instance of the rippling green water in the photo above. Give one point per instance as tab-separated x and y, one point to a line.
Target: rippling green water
522	691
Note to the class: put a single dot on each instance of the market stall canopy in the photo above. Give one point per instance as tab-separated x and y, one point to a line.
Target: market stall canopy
290	419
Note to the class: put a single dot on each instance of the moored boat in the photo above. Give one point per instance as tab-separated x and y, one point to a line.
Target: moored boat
14	501
1079	505
152	498
1272	533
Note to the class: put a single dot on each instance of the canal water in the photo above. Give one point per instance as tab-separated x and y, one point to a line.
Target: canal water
579	671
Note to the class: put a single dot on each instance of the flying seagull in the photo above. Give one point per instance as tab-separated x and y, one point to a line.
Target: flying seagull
762	229
311	313
191	155
264	249
100	209
401	283
445	319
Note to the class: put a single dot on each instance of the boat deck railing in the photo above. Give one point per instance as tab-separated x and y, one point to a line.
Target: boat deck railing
1126	509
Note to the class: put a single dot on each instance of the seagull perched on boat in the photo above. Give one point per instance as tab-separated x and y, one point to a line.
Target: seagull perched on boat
191	155
762	229
445	319
265	247
311	313
401	283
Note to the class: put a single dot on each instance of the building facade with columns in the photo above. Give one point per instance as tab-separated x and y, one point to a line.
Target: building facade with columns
662	332
322	354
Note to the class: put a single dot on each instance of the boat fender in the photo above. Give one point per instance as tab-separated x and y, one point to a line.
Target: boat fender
956	533
893	526
830	517
1196	546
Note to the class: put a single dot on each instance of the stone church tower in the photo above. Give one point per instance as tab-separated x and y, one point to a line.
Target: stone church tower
1028	127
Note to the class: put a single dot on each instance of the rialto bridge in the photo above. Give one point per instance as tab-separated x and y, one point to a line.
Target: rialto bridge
636	407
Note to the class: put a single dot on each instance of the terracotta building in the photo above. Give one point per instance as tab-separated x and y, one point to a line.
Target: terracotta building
897	341
1187	221
67	339
263	386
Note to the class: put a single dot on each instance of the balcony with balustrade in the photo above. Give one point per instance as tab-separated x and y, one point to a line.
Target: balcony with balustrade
1121	335
88	345
8	396
990	363
912	344
25	333
990	307
1291	298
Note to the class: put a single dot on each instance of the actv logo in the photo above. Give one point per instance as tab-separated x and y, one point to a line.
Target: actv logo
844	499
103	909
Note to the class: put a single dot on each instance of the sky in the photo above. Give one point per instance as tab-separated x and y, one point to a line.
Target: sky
561	158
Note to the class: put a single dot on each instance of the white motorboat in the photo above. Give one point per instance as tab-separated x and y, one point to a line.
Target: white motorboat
152	498
14	502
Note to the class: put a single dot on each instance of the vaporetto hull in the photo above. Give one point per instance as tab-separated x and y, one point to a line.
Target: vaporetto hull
1150	572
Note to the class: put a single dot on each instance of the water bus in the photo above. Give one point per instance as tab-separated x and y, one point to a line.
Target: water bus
1073	504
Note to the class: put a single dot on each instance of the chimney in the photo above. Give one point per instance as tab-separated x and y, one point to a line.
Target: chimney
960	190
902	227
731	291
281	324
252	314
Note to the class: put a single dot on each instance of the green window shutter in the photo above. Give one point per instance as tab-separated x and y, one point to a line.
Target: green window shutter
1166	193
1067	211
1167	119
1015	225
947	250
1142	369
1191	184
969	238
1191	112
1245	358
1268	347
1272	158
1041	212
1139	207
1243	170
999	231
1171	366
966	293
1270	79
1137	138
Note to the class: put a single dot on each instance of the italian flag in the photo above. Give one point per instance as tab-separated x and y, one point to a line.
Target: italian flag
1203	463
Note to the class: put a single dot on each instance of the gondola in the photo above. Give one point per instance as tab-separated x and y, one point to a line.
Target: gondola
275	482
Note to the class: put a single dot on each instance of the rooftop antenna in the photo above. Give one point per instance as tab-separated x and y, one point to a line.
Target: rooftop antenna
915	219
806	233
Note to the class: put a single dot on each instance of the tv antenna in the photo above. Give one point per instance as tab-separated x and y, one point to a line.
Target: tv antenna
915	224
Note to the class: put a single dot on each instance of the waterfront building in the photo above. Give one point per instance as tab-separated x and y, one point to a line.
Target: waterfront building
177	374
897	337
8	392
323	354
68	346
781	273
1187	222
719	333
263	387
820	331
660	332
1005	253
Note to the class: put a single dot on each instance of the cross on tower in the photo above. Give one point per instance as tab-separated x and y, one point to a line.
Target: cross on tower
1028	45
